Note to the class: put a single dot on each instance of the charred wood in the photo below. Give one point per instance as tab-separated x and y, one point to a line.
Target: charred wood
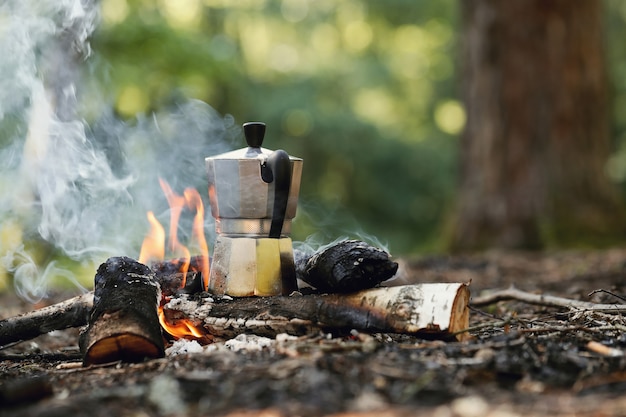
345	267
174	282
74	312
328	270
124	323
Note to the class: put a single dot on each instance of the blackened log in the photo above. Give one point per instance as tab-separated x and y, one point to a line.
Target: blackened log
174	282
75	311
124	323
346	267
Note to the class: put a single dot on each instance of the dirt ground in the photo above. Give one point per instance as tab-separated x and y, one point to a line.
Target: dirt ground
521	360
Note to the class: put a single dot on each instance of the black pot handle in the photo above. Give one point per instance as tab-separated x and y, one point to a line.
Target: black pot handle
278	171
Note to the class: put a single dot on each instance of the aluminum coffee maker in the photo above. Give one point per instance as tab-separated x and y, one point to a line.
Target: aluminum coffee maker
253	194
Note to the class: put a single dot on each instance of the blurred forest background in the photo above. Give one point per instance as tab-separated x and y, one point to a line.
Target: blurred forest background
378	98
367	92
364	91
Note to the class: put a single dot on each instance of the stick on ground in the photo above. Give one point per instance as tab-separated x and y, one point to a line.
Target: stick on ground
73	312
513	293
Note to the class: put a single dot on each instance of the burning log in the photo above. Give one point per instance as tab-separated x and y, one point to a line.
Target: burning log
173	282
429	310
75	311
124	323
348	264
345	267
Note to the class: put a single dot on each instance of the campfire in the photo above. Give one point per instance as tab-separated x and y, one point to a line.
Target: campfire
251	284
153	251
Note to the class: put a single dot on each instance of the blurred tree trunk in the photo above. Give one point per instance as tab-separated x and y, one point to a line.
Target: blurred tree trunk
537	134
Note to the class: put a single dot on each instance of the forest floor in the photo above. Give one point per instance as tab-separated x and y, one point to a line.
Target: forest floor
522	359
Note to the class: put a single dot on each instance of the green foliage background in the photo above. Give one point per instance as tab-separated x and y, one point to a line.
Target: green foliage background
364	91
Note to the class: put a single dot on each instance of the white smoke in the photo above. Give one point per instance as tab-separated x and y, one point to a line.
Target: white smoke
82	188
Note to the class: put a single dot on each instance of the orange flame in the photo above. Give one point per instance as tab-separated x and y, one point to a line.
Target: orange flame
192	197
153	248
180	329
177	203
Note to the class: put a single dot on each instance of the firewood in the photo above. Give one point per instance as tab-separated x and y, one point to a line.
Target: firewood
171	281
73	312
428	310
345	267
124	323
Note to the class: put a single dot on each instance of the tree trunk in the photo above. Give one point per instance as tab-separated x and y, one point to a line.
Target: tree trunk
537	134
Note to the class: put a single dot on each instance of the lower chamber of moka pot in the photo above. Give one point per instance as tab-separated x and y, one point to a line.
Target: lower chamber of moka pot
248	266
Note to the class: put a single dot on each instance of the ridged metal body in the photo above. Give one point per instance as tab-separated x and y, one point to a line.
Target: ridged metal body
241	202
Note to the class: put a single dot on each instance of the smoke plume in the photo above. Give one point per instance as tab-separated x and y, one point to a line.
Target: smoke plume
82	189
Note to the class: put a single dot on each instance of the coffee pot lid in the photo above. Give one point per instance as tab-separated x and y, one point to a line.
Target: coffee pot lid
254	132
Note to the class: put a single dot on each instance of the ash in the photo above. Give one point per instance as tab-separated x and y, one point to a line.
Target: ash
241	343
184	346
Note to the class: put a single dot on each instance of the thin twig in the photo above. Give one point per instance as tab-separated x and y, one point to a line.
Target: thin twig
607	292
513	293
481	326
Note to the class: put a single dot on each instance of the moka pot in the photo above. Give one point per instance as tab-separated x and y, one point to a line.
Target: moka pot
253	194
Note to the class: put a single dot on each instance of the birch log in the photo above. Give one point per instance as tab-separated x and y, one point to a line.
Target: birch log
436	310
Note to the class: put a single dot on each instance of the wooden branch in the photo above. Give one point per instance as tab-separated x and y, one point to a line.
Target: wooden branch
124	322
73	312
428	310
513	293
